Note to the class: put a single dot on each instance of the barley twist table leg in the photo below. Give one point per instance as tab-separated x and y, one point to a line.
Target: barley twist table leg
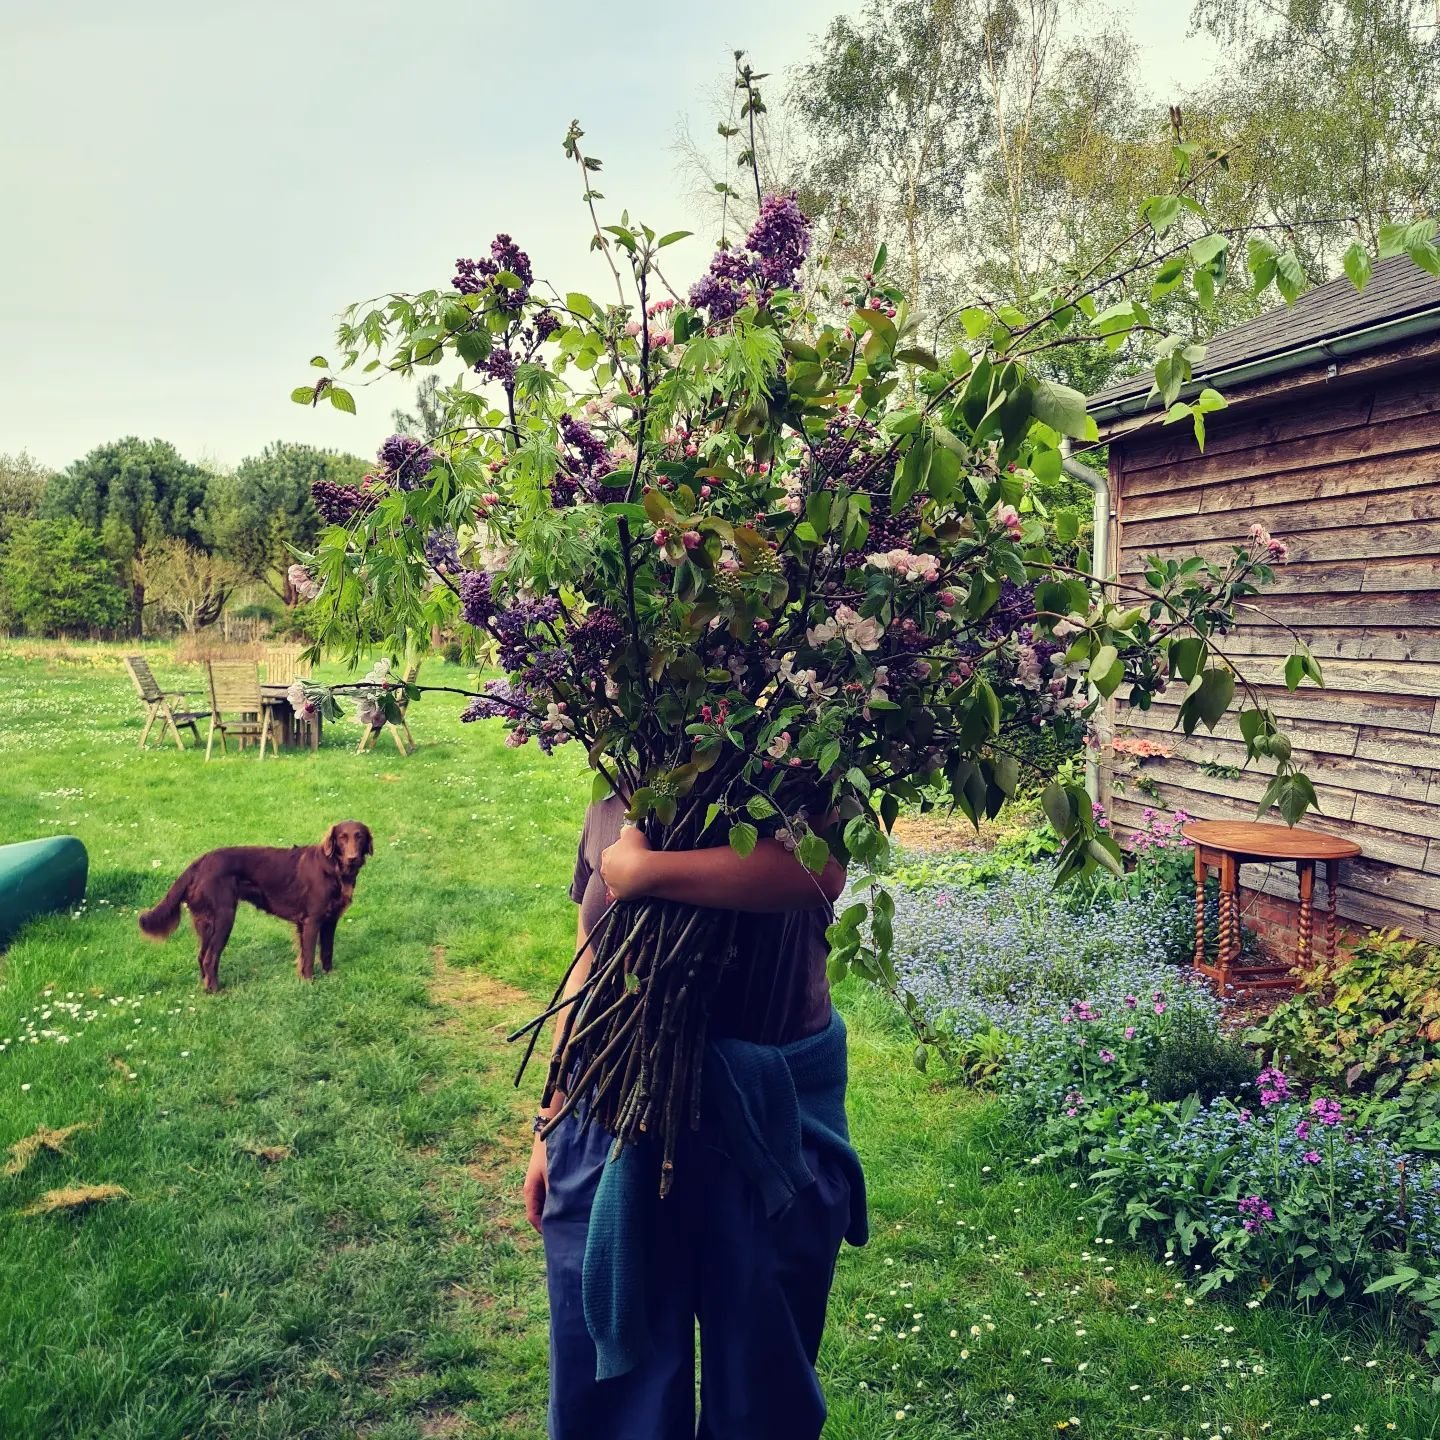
1228	913
1303	944
1332	882
1201	873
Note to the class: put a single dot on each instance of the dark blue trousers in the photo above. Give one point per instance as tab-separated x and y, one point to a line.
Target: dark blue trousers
756	1286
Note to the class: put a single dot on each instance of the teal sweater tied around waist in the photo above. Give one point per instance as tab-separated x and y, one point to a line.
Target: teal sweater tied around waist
763	1104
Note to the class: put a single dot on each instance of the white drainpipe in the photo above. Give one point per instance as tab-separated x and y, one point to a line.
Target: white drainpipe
1099	482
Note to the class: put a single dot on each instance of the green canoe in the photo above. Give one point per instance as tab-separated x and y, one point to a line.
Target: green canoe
38	876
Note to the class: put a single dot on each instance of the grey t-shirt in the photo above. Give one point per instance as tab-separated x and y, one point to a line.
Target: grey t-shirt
776	991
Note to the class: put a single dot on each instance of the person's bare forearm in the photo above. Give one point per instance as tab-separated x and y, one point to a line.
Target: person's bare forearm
769	880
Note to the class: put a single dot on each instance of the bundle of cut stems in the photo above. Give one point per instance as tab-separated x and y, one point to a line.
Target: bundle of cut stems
632	1036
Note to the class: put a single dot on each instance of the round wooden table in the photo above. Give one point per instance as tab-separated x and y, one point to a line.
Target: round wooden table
287	725
1224	846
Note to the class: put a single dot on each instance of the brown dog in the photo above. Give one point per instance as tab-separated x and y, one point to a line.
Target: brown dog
309	885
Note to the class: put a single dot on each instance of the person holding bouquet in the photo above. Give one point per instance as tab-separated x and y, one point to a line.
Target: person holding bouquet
746	1242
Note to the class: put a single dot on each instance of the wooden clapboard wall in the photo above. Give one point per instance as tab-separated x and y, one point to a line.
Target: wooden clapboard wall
1348	475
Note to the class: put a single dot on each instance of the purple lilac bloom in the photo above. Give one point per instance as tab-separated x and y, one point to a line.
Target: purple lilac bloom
721	289
473	276
844	455
406	461
563	490
477	599
546	324
780	240
498	365
340	504
586	462
502	700
515	629
442	550
595	639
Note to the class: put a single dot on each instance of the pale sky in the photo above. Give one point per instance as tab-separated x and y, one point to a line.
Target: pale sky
191	190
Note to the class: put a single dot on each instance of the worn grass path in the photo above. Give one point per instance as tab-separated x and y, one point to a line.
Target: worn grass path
323	1235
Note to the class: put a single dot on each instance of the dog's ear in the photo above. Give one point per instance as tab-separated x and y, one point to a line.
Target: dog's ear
367	845
327	845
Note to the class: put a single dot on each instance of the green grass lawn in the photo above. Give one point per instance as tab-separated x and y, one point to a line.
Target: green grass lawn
323	1234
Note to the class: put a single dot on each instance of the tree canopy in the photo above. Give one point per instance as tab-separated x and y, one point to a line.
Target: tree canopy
56	579
22	488
254	515
132	492
1008	147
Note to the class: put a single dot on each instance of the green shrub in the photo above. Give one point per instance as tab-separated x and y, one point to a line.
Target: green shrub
57	580
1195	1058
453	652
1369	1022
300	623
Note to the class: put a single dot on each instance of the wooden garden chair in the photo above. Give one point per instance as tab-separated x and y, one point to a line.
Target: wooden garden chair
283	664
406	745
236	705
157	703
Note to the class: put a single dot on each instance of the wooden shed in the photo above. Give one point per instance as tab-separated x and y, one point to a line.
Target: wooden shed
1331	442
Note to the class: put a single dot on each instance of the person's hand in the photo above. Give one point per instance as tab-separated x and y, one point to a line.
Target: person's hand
537	1183
624	866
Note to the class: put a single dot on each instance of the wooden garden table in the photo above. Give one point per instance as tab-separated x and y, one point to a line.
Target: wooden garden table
288	726
1224	846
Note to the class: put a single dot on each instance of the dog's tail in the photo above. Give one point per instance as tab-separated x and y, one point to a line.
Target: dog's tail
160	922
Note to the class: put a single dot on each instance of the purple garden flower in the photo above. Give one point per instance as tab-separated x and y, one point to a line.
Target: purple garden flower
773	253
1274	1087
780	240
1310	1157
442	551
515	629
406	461
340	504
1256	1213
1325	1110
477	600
595	639
586	461
498	365
721	290
473	276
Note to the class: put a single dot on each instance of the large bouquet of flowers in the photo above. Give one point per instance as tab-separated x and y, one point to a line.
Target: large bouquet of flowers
773	563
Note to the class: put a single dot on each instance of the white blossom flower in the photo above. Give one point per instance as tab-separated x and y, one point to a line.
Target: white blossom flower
1027	668
906	565
860	633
